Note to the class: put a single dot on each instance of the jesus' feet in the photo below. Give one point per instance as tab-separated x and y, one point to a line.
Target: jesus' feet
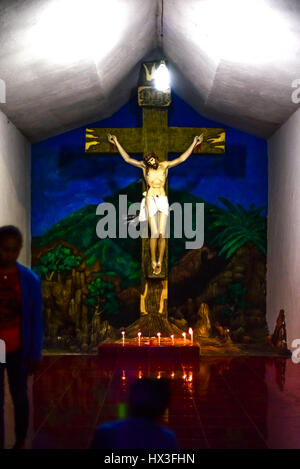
153	266
157	270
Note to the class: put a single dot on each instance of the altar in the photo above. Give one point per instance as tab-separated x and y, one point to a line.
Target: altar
173	353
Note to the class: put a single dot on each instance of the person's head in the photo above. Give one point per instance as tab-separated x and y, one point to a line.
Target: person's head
11	241
151	160
149	398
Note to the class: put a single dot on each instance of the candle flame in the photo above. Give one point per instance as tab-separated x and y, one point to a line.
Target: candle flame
190	330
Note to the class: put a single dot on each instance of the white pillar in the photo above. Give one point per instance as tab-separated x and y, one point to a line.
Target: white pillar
283	260
15	159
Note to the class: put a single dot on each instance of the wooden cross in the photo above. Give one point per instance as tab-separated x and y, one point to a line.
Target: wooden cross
156	136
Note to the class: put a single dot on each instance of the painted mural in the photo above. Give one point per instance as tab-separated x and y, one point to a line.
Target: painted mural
91	286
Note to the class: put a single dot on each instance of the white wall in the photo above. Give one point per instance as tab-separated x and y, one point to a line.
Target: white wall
283	264
15	156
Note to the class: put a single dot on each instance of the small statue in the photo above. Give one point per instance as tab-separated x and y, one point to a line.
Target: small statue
278	338
203	325
227	336
96	326
223	332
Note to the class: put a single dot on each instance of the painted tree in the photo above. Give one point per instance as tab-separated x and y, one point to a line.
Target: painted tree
236	227
102	295
58	260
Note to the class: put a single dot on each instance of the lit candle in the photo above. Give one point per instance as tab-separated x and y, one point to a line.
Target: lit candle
123	375
184	338
191	334
123	338
139	337
158	337
172	338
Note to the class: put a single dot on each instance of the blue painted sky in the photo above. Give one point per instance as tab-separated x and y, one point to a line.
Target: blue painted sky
65	179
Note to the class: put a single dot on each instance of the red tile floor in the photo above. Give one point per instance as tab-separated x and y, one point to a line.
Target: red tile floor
231	402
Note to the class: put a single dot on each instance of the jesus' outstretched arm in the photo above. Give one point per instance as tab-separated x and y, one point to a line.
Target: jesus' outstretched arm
113	139
186	154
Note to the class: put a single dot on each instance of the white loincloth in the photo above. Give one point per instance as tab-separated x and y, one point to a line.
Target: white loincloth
158	203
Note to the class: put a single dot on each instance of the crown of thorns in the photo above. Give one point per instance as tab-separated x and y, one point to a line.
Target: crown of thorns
148	155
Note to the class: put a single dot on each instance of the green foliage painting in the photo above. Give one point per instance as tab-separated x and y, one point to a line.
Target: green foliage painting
102	295
57	260
237	226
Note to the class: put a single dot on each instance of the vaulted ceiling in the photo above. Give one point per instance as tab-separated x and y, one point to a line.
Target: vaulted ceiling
68	63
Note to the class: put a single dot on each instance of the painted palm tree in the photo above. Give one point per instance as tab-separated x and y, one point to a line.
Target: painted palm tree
236	226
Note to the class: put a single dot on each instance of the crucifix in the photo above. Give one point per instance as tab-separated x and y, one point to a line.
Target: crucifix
154	138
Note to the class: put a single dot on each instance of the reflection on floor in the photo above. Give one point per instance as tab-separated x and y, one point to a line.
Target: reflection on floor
228	402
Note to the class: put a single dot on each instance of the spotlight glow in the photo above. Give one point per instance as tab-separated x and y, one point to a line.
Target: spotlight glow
247	32
68	31
162	77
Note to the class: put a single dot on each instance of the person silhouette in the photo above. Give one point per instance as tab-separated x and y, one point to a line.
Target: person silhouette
148	400
21	329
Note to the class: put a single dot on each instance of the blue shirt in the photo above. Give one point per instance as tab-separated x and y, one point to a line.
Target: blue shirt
32	314
133	433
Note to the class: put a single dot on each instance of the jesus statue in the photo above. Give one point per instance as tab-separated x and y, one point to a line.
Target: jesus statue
155	206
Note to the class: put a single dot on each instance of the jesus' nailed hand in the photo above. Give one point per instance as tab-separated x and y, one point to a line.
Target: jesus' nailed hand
155	200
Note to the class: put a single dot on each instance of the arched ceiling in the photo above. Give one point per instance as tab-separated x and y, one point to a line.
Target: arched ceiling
68	63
